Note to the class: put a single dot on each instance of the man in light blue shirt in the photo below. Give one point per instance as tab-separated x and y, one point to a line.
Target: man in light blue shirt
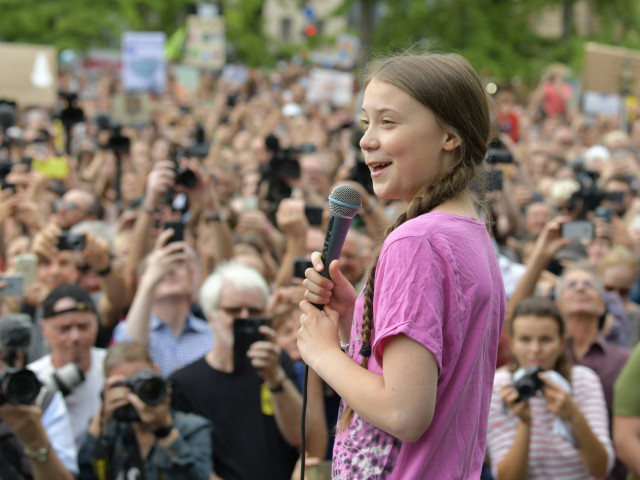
160	315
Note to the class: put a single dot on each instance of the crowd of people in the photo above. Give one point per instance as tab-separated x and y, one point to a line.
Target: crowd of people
132	270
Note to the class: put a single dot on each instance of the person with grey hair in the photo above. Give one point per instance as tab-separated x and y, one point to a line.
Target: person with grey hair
160	316
255	412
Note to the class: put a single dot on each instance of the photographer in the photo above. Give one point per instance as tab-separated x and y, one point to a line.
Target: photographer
36	441
135	432
70	326
549	421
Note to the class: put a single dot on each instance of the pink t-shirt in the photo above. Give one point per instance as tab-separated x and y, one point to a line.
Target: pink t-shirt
437	282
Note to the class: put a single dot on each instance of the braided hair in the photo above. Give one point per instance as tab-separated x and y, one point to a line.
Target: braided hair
448	86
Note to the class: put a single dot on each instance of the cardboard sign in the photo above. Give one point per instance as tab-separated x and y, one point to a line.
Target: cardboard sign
330	86
30	76
206	42
611	70
132	109
143	62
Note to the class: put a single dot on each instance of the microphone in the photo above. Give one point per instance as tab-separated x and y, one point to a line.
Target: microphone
15	332
344	203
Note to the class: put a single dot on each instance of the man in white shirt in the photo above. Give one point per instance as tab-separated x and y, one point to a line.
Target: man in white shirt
70	325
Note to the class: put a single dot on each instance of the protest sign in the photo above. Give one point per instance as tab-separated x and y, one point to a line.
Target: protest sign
330	86
143	61
29	76
206	43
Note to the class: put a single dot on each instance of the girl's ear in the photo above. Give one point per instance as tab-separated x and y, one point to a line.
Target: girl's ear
451	141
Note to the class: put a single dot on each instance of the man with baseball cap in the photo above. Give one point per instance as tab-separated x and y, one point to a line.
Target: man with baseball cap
74	366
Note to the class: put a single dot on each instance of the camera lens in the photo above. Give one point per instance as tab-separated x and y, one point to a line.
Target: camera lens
21	387
185	177
152	391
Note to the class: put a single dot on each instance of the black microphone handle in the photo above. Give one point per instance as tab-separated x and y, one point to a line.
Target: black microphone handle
333	242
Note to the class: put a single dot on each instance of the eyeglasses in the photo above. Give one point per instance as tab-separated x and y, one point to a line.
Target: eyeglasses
622	292
237	311
575	284
61	204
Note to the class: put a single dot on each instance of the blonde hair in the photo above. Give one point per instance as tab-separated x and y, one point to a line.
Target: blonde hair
619	254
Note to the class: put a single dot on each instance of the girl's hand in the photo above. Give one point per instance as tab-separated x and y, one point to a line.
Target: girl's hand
318	333
338	294
521	409
559	401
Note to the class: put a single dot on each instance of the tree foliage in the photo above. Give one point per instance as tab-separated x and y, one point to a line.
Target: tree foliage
495	35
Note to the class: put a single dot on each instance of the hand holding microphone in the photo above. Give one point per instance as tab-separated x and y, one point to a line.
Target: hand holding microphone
324	283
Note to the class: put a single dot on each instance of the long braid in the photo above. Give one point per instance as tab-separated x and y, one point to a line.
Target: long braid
446	188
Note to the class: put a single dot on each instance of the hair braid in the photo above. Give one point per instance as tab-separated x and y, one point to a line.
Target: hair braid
446	188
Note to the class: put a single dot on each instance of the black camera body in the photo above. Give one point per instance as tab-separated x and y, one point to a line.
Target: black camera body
527	382
71	241
18	386
146	384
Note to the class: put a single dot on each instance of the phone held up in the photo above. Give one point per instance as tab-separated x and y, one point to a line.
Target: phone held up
578	230
245	333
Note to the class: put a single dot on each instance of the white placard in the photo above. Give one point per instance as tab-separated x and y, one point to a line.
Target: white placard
143	61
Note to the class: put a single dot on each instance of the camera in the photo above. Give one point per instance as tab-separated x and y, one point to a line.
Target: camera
149	386
66	378
185	177
527	382
498	153
18	386
71	241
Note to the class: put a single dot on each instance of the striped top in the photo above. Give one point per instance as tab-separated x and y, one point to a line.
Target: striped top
550	455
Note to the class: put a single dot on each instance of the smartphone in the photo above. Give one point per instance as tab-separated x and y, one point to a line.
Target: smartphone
321	471
14	285
299	267
56	167
578	230
314	215
245	333
494	180
27	265
72	241
604	213
250	202
178	231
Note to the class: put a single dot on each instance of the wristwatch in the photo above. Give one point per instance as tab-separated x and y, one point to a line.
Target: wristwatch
278	387
220	216
40	455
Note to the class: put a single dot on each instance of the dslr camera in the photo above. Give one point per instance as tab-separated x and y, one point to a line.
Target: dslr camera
66	378
146	384
18	386
71	241
527	382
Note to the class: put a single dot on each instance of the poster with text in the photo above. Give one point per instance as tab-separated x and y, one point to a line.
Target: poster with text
206	42
143	62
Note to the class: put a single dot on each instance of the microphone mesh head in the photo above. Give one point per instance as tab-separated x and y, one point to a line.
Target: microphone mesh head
345	201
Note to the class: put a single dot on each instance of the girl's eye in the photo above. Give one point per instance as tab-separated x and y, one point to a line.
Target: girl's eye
386	121
364	123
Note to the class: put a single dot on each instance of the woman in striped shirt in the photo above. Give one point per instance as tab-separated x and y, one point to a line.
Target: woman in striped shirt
559	433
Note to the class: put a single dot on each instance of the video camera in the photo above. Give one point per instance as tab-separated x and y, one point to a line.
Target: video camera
117	142
146	384
498	153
